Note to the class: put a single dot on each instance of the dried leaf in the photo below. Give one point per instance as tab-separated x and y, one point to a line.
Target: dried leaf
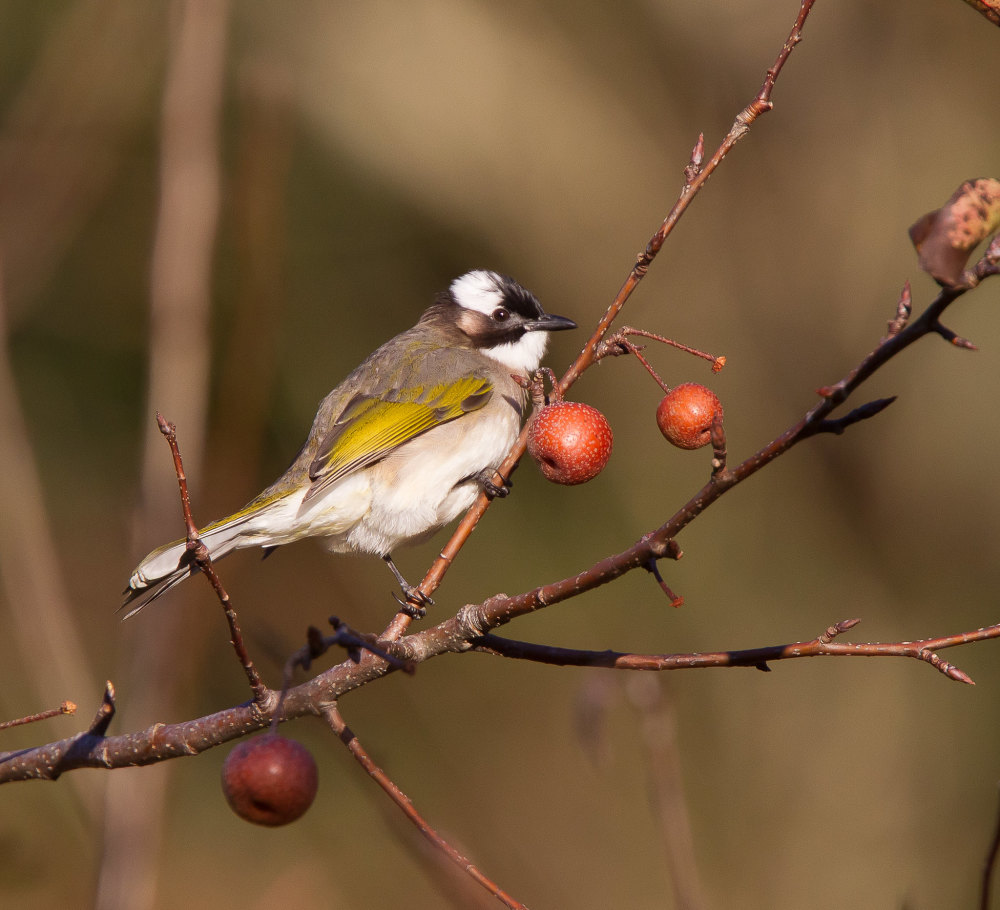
944	238
989	8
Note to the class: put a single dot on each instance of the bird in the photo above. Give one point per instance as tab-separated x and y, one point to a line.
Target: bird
401	447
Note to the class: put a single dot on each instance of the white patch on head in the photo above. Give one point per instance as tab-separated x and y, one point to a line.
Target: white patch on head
482	291
479	290
523	355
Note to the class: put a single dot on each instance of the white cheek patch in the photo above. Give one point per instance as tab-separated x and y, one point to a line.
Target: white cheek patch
479	291
523	355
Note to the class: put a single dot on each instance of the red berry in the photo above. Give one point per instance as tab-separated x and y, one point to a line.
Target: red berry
685	415
570	441
269	780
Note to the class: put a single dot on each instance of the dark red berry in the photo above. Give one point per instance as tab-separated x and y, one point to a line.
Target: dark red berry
269	780
685	415
570	441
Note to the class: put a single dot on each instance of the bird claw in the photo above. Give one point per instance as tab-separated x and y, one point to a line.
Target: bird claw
416	600
491	489
416	603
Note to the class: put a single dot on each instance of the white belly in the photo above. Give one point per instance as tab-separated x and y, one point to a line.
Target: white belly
412	493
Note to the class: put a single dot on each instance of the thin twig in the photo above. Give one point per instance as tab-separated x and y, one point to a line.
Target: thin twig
653	568
67	707
203	560
347	737
619	343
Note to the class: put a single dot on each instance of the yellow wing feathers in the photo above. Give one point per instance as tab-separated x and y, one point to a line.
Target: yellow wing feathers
369	428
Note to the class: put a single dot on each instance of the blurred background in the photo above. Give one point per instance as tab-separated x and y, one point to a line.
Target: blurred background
216	209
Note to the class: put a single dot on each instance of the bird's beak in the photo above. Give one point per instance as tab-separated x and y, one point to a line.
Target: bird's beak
549	323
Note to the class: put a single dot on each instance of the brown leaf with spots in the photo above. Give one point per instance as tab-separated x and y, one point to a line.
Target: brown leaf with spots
988	8
945	237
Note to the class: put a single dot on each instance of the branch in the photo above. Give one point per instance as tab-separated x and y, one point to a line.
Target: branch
468	631
821	646
160	742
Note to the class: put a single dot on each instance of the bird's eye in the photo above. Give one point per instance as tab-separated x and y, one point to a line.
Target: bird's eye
501	314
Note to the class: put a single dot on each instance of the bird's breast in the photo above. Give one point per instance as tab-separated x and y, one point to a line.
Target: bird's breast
430	480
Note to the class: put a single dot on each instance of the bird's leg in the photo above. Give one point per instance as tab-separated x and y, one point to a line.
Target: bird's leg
493	490
416	600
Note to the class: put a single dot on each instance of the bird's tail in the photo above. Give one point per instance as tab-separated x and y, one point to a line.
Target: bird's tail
170	564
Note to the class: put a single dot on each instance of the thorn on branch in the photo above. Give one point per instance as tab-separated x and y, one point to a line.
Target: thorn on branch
105	713
949	336
763	667
863	412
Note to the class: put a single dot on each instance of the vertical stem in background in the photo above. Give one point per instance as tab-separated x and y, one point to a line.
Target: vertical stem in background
650	694
40	620
67	128
180	294
262	155
180	283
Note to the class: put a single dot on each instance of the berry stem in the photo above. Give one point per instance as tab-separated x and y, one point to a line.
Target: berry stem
717	362
635	349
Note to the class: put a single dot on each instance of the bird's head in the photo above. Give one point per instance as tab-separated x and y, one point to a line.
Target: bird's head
497	317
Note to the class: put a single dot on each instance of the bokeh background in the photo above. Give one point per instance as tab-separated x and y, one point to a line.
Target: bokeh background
216	209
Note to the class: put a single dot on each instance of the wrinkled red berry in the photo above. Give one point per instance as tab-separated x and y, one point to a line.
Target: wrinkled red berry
570	441
269	780
685	415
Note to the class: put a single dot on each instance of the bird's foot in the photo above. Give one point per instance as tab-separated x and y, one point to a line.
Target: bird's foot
413	606
491	489
416	601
